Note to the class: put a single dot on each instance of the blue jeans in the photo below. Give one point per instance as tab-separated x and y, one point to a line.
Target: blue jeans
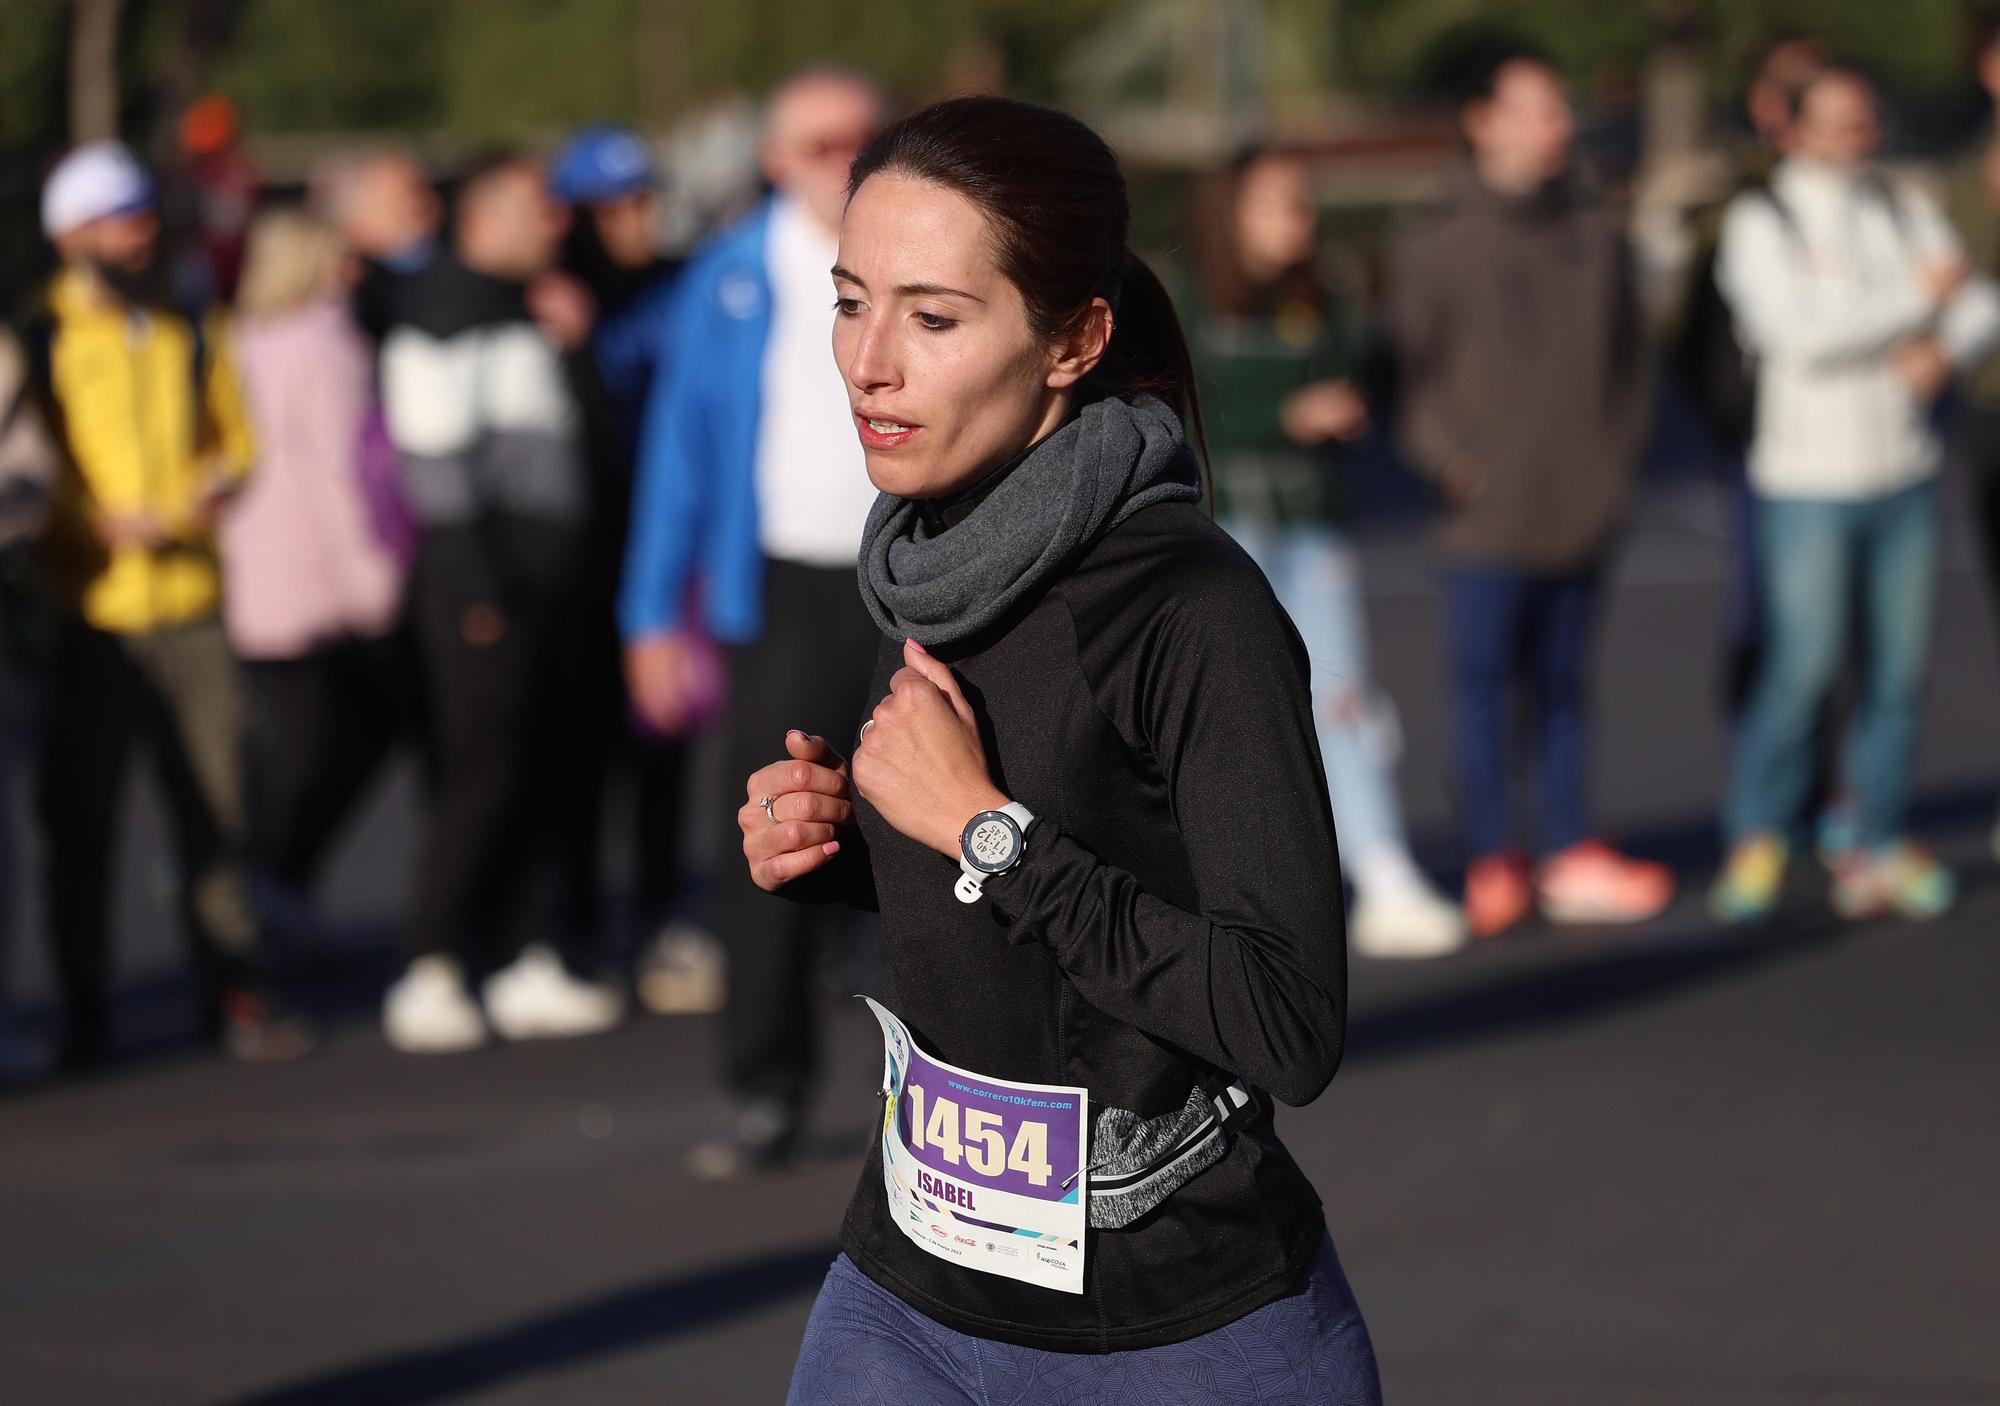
1821	560
1505	627
866	1347
1318	582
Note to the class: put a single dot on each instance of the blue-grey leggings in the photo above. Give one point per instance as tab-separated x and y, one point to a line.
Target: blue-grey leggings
866	1347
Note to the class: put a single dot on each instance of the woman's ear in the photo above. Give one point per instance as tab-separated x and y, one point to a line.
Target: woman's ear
1080	352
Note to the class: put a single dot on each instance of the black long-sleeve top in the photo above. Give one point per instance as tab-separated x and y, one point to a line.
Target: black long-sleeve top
1178	911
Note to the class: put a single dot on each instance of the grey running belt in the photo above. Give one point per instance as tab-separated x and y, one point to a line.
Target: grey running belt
1138	1162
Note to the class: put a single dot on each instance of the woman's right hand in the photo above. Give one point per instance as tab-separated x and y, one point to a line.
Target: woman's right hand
663	680
1325	411
812	799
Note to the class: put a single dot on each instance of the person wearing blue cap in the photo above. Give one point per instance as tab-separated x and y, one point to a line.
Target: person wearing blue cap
608	176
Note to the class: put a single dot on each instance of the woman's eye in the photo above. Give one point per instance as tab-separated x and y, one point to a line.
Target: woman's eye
935	322
847	307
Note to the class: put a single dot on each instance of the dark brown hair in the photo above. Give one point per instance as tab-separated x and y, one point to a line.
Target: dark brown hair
1226	286
1055	199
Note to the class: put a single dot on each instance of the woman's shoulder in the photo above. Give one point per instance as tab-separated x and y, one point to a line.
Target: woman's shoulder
1167	607
1177	541
1169	567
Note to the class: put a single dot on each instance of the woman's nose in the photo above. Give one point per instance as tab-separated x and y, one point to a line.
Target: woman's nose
873	363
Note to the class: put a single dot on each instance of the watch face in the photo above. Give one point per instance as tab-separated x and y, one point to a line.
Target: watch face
992	841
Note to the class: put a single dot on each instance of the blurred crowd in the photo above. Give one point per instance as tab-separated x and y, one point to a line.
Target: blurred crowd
492	481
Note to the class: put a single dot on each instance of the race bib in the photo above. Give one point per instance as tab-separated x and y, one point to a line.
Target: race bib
984	1172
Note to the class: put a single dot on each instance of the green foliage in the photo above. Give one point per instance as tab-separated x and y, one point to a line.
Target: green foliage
912	45
1405	45
1393	46
32	35
1920	45
514	68
306	65
511	68
495	68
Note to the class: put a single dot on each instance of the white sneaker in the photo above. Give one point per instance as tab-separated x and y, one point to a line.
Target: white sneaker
429	1011
682	972
1405	919
536	998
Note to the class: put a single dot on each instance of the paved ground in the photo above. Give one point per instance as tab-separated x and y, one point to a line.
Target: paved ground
1670	1166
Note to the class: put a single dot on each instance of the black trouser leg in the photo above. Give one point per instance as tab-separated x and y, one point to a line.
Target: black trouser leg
291	711
95	697
659	776
552	796
581	720
809	670
481	706
768	1029
322	726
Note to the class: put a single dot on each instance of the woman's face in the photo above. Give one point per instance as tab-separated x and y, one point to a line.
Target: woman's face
945	377
1275	221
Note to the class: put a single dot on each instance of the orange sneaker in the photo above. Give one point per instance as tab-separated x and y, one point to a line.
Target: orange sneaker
1591	882
1497	894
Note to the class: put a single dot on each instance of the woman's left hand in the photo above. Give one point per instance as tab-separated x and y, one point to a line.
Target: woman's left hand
919	761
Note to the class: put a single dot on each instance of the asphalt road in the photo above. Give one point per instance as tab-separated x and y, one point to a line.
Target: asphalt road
1645	1168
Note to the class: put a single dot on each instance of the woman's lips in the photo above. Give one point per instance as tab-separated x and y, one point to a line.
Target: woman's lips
878	432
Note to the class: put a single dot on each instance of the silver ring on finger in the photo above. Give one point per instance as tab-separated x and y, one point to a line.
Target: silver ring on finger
770	807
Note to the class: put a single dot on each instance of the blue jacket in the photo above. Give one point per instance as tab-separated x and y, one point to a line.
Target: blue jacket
694	552
630	348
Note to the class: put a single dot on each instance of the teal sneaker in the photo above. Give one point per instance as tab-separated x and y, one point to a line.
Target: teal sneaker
1903	879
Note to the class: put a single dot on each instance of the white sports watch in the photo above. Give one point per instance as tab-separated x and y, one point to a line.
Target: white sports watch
992	842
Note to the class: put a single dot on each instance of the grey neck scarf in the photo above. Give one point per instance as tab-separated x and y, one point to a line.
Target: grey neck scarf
947	584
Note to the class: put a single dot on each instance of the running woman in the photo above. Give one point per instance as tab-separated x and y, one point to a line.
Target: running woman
1091	810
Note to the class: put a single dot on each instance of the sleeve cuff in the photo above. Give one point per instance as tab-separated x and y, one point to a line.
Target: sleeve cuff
1020	893
637	625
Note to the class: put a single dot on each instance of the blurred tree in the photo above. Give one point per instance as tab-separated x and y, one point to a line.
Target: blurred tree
367	65
93	69
484	69
1398	45
1302	48
33	62
510	68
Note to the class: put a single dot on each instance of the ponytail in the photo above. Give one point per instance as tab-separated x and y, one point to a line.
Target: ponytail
1149	353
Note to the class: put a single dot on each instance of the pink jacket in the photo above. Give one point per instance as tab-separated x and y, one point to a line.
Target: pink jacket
302	564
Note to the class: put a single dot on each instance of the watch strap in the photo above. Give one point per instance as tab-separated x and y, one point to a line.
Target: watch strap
1023	817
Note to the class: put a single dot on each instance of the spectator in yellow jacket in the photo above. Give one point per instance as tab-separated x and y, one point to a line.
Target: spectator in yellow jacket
158	437
152	425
